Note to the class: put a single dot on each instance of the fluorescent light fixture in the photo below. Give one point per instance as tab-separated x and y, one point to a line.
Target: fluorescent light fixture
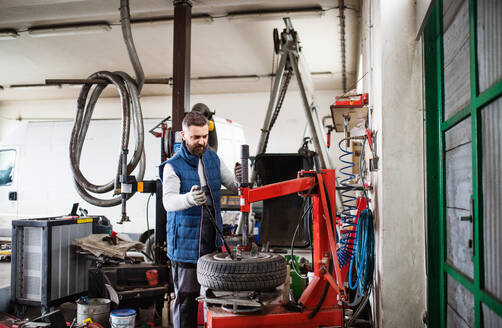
277	13
42	32
322	75
72	86
8	35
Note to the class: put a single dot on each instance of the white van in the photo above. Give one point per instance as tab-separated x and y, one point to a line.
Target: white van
36	179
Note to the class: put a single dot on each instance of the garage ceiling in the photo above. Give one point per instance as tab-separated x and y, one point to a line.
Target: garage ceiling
225	43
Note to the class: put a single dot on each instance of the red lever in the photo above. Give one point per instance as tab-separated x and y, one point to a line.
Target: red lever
370	139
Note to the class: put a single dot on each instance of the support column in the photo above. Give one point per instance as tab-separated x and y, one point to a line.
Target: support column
181	61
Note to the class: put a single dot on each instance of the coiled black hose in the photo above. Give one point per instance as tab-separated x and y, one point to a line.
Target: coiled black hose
129	98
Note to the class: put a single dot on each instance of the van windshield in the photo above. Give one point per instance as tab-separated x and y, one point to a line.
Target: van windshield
7	158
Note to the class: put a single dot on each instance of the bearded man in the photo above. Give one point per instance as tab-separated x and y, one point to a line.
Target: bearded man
192	181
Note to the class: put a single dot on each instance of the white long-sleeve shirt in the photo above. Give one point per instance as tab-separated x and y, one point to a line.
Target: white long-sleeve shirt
174	201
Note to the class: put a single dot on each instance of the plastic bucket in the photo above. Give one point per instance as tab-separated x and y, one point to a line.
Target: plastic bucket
98	310
122	318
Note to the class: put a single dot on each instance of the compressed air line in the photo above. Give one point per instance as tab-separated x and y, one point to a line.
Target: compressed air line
363	244
129	90
348	219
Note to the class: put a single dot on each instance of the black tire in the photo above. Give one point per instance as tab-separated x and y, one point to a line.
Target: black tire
218	272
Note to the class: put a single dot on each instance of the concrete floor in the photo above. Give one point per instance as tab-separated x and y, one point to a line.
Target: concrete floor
4	273
4	286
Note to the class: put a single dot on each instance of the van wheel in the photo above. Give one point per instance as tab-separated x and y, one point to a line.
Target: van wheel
246	273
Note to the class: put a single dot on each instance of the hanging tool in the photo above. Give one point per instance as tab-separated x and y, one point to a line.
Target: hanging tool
112	238
329	128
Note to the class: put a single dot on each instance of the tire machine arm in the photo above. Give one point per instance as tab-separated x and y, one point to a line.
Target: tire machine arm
292	61
321	186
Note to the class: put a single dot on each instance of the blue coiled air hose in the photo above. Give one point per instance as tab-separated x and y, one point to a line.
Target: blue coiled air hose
346	241
356	245
359	257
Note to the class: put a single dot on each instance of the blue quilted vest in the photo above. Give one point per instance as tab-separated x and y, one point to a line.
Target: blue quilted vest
183	227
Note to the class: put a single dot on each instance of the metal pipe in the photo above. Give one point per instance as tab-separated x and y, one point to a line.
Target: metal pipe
244	182
341	10
165	80
123	181
310	112
168	81
125	23
160	226
181	61
271	103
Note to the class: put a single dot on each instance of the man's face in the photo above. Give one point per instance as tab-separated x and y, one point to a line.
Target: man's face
196	139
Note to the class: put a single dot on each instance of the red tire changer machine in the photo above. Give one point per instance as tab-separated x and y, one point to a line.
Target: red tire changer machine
325	295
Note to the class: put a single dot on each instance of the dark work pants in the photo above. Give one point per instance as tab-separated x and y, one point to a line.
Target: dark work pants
186	286
187	289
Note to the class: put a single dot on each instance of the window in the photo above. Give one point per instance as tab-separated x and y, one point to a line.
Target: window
463	83
7	161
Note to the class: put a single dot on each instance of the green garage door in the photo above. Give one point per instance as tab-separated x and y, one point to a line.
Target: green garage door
463	83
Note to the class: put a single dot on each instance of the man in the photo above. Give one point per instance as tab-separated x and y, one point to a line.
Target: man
191	193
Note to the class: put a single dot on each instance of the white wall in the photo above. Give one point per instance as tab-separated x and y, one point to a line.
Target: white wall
393	61
7	125
247	109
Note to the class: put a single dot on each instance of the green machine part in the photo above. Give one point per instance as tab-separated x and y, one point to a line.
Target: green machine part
297	283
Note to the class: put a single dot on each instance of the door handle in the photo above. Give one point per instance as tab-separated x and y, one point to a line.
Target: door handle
13	195
465	218
468	217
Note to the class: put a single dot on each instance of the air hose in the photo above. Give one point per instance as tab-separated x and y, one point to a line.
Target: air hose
362	241
129	91
321	300
367	275
348	201
359	243
218	230
363	259
307	213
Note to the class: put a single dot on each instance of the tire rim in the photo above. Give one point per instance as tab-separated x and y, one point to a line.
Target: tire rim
244	256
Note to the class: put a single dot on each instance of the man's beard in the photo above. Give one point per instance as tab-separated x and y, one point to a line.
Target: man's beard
196	150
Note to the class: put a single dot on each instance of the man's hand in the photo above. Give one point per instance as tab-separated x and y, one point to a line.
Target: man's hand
197	195
238	172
